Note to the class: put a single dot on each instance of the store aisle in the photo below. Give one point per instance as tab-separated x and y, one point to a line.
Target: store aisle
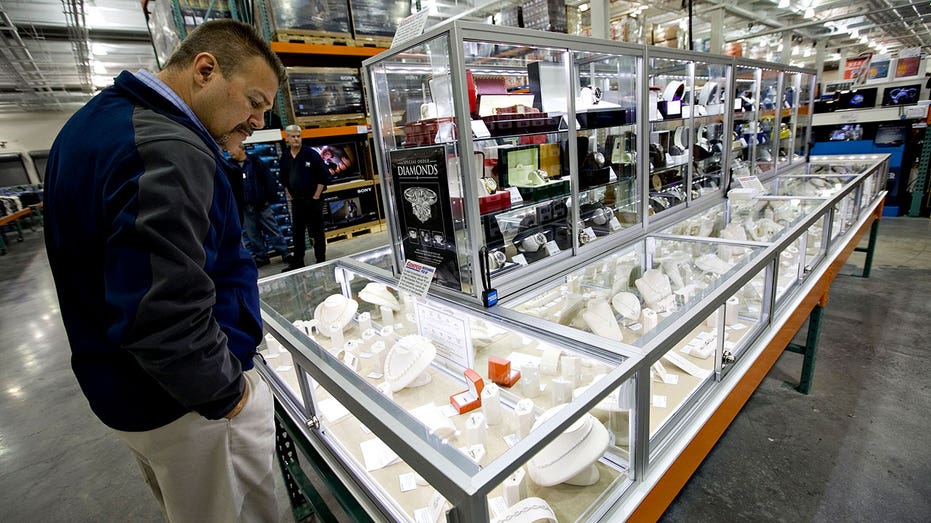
854	450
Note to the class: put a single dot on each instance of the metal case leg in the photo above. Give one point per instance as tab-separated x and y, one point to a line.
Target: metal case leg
810	349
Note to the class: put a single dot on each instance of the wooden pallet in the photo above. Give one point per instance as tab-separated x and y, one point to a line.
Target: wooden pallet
373	41
314	37
348	233
312	122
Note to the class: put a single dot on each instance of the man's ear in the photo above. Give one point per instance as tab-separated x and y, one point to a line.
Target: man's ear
205	68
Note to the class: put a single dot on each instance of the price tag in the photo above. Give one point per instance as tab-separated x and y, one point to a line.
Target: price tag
410	27
448	410
408	481
283	368
551	248
659	401
613	224
516	198
374	375
519	259
480	130
510	440
751	182
416	278
498	506
635	327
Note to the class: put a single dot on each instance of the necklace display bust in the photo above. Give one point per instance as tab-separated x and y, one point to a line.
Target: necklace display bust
571	453
406	362
336	310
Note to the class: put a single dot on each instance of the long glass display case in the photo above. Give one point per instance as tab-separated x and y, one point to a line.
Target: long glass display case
624	323
567	398
510	155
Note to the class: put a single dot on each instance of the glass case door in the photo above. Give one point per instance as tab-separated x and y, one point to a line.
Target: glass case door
709	136
746	115
802	137
606	141
671	104
416	131
520	167
765	150
784	132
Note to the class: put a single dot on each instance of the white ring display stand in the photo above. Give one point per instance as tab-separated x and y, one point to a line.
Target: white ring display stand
378	294
406	362
530	510
569	455
337	310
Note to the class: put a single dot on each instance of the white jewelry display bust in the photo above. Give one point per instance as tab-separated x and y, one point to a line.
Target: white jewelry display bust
406	362
627	305
378	294
569	455
337	310
600	319
656	290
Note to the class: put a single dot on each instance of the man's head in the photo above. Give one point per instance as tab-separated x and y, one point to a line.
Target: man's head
228	76
292	134
237	153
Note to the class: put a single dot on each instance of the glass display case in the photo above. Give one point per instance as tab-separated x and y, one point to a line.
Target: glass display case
468	393
550	166
562	400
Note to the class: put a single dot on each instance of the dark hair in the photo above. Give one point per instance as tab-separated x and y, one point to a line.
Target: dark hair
230	42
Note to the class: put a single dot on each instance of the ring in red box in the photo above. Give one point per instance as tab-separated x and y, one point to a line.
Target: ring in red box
471	398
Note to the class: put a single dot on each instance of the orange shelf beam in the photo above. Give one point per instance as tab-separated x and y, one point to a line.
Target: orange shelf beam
325	132
335	50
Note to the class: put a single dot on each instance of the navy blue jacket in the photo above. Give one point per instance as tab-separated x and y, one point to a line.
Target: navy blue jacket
258	185
311	171
157	294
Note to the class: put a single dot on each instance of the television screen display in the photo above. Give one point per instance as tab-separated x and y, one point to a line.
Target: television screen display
902	94
342	161
349	207
890	135
857	99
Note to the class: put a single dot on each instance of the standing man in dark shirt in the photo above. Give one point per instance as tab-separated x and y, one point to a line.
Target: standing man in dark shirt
258	189
303	174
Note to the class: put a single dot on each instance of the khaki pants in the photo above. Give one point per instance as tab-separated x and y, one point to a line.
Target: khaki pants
204	470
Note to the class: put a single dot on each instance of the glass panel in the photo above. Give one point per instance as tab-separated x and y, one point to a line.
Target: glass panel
671	105
592	453
746	113
807	185
845	214
607	144
709	131
521	165
784	133
756	219
803	122
764	153
815	246
788	273
627	295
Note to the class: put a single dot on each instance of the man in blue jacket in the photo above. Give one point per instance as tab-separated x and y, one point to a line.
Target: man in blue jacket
157	294
259	189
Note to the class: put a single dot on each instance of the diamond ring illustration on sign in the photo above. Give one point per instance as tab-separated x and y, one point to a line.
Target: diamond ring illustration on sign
422	199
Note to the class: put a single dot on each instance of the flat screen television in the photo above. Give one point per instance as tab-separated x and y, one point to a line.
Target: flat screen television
890	135
349	207
901	95
342	159
857	99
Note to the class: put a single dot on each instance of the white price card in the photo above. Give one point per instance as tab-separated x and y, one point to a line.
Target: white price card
511	440
519	259
659	401
516	198
410	27
416	278
377	455
332	410
551	248
750	182
374	375
480	130
635	327
408	481
283	368
498	506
